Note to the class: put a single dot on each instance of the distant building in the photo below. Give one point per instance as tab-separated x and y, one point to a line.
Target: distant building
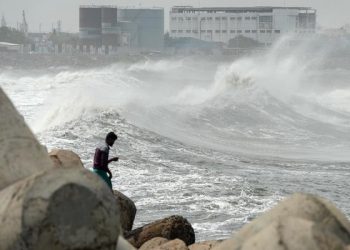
145	27
108	27
98	26
263	24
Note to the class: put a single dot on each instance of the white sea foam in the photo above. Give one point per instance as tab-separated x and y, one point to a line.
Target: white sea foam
206	139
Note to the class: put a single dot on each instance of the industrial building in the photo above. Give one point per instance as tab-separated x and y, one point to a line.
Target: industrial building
147	27
262	24
109	28
98	26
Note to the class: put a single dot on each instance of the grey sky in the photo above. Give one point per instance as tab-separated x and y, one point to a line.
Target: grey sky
331	13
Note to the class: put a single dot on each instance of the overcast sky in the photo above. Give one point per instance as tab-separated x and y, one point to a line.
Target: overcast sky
331	13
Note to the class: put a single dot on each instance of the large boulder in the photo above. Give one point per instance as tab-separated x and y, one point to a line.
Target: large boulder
61	209
127	210
65	159
174	227
46	208
21	155
153	243
301	222
172	245
205	245
123	244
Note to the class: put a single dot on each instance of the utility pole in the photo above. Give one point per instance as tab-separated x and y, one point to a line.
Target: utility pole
59	25
3	21
24	25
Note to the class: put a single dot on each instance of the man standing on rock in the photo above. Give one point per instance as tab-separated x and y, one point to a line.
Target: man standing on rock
101	160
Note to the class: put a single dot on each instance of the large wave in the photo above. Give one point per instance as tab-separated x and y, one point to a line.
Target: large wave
284	102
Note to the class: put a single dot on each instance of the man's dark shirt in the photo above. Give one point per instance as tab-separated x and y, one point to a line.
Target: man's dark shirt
101	158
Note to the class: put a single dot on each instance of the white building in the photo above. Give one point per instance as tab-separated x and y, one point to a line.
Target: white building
263	24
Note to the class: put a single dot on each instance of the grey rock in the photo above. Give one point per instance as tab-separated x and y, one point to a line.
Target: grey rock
153	243
300	222
127	210
172	245
205	245
174	227
65	159
21	155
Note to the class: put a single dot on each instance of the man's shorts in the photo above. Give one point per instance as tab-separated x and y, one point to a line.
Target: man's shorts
104	176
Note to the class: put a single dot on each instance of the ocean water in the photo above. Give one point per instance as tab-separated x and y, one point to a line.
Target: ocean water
216	141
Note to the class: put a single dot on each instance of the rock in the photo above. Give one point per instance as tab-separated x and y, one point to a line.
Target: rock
172	245
206	245
153	243
300	222
65	159
174	227
61	209
127	210
123	244
46	208
21	155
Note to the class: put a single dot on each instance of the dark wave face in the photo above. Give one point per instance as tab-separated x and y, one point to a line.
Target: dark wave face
214	141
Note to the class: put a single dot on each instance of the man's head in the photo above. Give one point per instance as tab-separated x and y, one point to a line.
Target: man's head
111	138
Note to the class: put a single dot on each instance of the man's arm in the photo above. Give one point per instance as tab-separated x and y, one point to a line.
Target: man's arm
113	159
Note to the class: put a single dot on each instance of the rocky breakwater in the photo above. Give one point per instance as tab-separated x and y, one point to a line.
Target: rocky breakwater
42	207
174	232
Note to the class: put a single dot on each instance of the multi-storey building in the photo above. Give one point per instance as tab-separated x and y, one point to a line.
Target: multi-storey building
263	24
109	27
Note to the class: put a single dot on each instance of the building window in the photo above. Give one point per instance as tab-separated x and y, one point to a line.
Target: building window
224	18
224	31
239	31
217	31
217	18
277	31
232	18
247	31
202	18
194	31
209	31
180	31
265	19
247	18
254	31
265	22
269	31
188	31
202	31
262	31
173	31
233	31
209	18
239	18
188	18
195	19
181	19
254	18
173	19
